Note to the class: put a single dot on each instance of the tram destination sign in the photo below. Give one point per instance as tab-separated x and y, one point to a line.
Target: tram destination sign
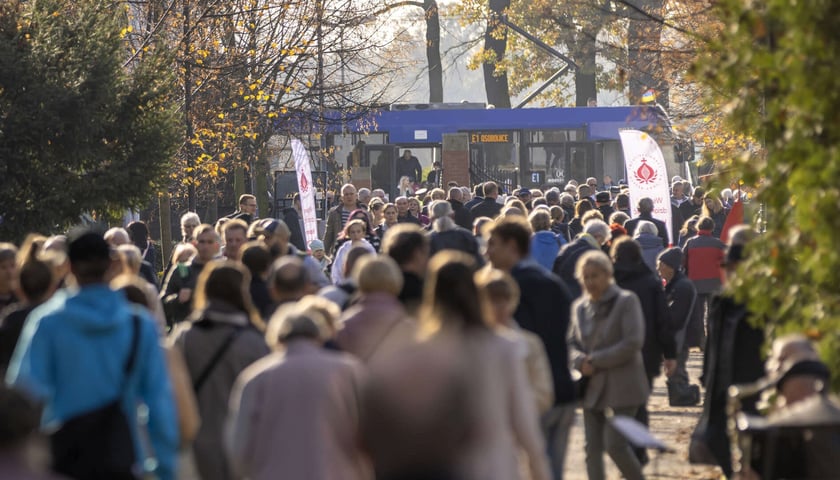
491	137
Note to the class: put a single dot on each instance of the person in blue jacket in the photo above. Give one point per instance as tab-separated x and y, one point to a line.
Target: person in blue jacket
72	353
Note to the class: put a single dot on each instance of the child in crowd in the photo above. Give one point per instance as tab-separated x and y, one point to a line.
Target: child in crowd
355	231
316	247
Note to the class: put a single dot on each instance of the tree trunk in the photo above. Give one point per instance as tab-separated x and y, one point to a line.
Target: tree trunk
644	53
496	84
433	51
585	56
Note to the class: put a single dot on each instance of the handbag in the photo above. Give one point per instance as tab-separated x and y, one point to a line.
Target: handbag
98	445
580	383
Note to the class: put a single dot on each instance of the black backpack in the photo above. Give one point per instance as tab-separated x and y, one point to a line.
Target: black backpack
97	445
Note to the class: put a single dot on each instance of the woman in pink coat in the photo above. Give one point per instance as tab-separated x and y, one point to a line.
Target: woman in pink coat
295	413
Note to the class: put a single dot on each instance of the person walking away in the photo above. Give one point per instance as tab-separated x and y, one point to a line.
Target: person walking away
543	310
680	296
87	353
649	241
295	413
221	338
499	290
703	256
377	323
633	275
503	403
605	341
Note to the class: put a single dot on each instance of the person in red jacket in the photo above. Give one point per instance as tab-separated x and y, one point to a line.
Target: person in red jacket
703	256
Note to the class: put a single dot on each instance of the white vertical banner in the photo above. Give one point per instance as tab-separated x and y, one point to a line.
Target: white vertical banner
647	175
307	190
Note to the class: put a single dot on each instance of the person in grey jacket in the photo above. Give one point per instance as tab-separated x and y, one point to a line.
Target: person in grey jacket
606	335
221	338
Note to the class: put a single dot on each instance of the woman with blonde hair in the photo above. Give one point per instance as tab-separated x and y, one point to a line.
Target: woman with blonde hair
377	323
132	259
500	292
221	338
606	335
714	209
506	419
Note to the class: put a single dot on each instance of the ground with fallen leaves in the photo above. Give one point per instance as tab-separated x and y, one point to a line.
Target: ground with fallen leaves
673	425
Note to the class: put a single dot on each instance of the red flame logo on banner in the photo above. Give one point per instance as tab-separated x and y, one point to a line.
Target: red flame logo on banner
645	174
304	183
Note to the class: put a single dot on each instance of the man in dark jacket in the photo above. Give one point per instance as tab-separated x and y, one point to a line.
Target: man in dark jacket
294	220
602	203
478	196
595	233
632	274
488	207
463	218
646	213
544	309
177	291
680	296
446	235
409	166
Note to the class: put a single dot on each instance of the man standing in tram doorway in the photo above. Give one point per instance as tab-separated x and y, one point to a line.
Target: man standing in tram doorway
409	166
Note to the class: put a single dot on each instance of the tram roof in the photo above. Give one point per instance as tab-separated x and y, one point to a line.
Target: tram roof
411	126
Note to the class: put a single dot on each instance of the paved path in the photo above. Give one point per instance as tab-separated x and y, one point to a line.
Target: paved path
673	425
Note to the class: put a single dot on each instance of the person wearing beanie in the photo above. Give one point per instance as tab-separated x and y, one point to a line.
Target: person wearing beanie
316	247
680	296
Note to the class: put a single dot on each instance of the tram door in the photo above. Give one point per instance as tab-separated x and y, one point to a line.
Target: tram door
380	161
580	162
493	156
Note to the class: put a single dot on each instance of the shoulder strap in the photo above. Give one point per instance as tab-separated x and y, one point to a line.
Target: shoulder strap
202	377
132	355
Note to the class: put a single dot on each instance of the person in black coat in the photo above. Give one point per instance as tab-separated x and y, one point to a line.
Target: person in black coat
680	296
544	309
462	215
732	356
631	273
594	235
488	207
37	284
292	218
446	235
646	213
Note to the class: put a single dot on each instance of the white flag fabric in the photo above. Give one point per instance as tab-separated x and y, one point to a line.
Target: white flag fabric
307	190
647	175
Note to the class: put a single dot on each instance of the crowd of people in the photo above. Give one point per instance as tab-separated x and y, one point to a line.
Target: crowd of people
450	337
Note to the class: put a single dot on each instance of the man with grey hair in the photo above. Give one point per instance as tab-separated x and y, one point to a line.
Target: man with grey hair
338	215
116	236
646	213
326	386
189	222
364	197
463	218
277	237
447	235
595	234
378	192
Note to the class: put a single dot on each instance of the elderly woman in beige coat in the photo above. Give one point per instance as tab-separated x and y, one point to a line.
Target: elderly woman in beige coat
605	344
295	413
